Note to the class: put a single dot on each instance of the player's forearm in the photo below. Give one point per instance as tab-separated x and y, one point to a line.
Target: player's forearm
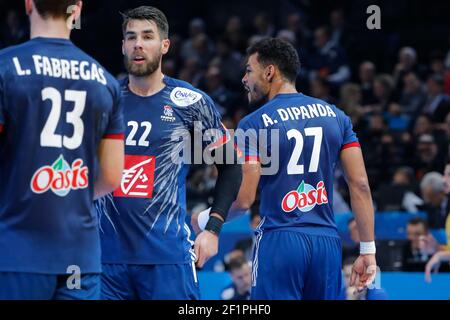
362	207
103	187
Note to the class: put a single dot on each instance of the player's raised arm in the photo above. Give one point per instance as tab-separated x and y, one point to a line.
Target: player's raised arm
364	268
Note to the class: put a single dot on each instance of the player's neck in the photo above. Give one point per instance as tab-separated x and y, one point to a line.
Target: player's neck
282	88
147	86
49	28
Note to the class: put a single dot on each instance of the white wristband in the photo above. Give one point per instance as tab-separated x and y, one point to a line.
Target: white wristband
203	218
367	247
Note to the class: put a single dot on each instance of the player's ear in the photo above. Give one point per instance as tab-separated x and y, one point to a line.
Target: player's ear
123	47
165	45
269	72
77	11
29	6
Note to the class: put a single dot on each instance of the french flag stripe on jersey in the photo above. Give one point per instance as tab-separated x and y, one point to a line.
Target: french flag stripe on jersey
351	145
115	136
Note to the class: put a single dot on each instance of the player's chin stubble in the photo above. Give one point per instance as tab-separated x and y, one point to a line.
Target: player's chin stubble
142	70
258	98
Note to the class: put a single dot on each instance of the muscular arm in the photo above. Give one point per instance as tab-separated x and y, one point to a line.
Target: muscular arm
111	158
360	195
251	173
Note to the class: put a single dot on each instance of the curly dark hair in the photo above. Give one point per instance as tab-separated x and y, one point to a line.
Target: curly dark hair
279	53
150	14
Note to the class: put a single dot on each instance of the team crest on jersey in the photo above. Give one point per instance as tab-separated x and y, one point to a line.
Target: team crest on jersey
305	198
60	177
183	97
137	177
168	114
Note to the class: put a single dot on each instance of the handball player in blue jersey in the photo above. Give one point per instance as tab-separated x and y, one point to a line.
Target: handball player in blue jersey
292	144
61	144
147	251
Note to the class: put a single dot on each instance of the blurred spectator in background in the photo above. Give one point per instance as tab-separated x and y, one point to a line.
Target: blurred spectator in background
295	24
340	33
436	201
241	274
216	89
426	158
328	61
437	63
351	249
350	102
383	87
320	88
351	293
263	25
230	63
420	247
413	96
235	34
191	72
396	118
197	27
367	71
437	104
446	145
399	195
443	255
407	62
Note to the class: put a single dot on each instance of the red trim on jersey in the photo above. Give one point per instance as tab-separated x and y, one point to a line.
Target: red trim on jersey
223	140
115	136
252	159
351	145
1	128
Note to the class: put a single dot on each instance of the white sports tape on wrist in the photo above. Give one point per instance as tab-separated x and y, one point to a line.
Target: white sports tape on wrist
203	218
367	247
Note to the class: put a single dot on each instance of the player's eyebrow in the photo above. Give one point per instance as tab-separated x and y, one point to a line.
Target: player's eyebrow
147	31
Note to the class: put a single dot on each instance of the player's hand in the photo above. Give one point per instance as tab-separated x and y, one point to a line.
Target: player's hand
364	271
194	223
206	246
432	265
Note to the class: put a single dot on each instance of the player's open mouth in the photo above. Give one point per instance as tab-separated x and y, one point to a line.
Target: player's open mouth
139	59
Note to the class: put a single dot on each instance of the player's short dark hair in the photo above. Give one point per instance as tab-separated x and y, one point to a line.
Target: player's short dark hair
237	263
418	220
279	53
54	8
150	14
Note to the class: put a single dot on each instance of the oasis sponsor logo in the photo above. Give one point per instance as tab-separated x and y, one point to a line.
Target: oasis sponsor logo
60	177
183	97
305	198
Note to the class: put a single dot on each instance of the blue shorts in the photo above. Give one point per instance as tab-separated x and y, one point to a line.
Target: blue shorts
33	286
150	282
291	265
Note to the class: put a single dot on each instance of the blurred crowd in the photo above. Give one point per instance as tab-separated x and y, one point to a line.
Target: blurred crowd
401	115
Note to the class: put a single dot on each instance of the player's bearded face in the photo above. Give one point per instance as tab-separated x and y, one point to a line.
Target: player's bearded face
254	83
140	64
142	48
